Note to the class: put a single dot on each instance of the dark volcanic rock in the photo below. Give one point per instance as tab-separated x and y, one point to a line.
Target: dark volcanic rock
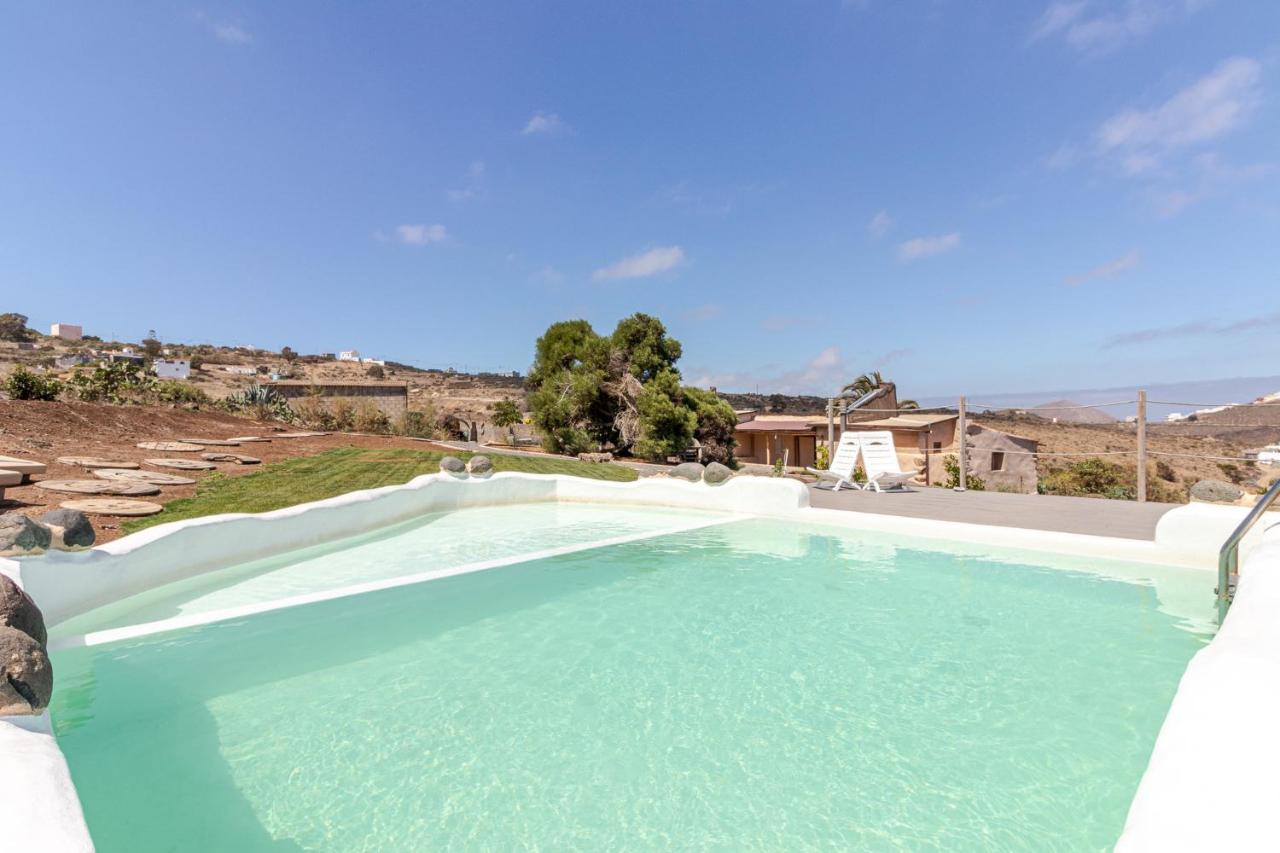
26	678
77	532
717	473
18	611
691	471
19	534
1216	491
453	465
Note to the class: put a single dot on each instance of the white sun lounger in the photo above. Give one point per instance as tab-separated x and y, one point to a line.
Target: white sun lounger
880	461
842	465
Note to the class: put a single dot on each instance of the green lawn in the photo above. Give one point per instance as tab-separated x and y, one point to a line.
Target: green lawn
335	472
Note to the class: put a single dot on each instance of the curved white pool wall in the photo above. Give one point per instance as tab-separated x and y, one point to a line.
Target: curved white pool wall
1213	776
68	584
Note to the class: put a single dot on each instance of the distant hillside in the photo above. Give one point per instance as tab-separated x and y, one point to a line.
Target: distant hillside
1068	412
779	404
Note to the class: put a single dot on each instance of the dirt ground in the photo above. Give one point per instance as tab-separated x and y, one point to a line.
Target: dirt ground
44	431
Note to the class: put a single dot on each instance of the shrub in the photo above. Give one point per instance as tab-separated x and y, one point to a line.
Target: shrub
180	394
369	418
119	383
506	413
312	412
1165	471
344	415
417	424
1090	478
951	465
822	460
22	384
375	371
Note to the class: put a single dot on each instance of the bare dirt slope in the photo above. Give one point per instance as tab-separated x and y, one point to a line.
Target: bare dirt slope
45	431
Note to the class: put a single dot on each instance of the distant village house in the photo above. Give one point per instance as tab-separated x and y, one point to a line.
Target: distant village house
66	331
178	368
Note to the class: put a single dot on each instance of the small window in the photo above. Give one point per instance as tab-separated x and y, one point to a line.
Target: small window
937	445
997	460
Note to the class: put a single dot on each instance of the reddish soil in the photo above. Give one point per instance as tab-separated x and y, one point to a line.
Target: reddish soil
44	431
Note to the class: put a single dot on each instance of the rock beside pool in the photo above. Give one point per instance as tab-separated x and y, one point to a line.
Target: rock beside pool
26	678
480	466
70	528
1216	491
22	535
453	465
19	612
595	457
691	471
717	473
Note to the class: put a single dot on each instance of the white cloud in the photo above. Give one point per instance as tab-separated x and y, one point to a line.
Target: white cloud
704	312
475	183
227	31
1101	25
880	224
1124	263
822	374
643	265
1210	107
420	235
548	275
923	247
544	124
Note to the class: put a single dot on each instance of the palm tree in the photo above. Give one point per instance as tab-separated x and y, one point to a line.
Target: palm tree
908	404
864	384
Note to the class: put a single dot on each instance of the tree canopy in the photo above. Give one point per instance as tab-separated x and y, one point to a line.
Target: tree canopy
622	392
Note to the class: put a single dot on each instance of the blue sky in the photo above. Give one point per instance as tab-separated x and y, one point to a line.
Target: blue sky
1013	196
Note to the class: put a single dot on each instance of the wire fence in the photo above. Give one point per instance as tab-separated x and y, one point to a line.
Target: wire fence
1137	429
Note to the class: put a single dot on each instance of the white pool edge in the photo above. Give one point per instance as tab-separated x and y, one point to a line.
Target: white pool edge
43	802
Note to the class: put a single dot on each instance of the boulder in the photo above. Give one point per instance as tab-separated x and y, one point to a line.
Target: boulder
70	526
480	466
22	535
595	457
453	465
717	473
19	612
691	471
26	678
1216	491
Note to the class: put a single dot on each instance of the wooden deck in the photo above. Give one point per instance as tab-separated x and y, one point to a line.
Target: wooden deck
1092	516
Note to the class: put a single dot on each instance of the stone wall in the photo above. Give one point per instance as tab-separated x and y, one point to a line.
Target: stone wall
392	398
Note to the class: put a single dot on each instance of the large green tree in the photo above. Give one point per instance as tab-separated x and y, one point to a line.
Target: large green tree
621	392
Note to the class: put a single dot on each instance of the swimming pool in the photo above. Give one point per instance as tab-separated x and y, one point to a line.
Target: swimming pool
697	682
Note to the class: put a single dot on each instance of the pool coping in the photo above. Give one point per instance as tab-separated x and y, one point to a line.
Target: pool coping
68	584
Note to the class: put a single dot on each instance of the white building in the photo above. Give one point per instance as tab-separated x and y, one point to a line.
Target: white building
349	355
66	331
177	368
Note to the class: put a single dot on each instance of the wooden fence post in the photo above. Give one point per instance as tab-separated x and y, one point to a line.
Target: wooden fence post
964	449
1142	446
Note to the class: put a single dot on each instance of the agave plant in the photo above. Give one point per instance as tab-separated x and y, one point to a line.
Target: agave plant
262	401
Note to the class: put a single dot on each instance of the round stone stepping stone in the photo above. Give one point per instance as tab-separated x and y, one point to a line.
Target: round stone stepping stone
113	506
170	446
248	439
182	464
99	487
238	458
212	442
95	462
300	434
159	478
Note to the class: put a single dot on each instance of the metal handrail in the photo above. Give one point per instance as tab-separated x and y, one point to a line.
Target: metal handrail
1229	556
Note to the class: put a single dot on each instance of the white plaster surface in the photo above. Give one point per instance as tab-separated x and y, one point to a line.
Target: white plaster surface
1214	775
68	584
39	809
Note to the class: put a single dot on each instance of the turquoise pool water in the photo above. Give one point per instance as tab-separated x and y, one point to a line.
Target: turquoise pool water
752	685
